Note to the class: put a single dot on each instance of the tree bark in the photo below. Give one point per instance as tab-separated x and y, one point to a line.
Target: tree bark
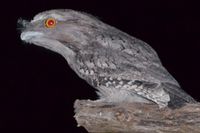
136	118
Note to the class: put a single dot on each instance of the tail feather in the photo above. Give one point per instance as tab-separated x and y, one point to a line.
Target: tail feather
178	97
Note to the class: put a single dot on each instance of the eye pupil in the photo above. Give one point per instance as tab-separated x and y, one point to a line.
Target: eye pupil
50	22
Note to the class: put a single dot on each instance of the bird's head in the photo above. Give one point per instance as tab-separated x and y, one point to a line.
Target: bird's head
63	31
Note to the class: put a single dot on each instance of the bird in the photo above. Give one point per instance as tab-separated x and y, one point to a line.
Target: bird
120	67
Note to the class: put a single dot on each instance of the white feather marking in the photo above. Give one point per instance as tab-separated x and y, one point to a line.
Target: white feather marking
89	64
108	83
136	88
130	82
121	82
118	86
119	78
104	65
81	70
86	72
91	72
125	86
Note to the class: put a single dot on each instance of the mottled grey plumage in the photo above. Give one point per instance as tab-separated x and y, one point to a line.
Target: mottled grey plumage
119	66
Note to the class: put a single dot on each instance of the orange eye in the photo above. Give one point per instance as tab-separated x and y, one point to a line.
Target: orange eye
50	23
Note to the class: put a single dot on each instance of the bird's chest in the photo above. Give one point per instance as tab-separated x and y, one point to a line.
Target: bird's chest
85	69
92	66
95	63
85	66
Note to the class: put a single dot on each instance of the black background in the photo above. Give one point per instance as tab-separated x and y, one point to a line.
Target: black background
37	86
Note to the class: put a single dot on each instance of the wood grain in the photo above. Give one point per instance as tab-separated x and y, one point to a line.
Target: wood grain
136	118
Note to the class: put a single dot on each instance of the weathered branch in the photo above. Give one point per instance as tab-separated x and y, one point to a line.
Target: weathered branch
136	118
